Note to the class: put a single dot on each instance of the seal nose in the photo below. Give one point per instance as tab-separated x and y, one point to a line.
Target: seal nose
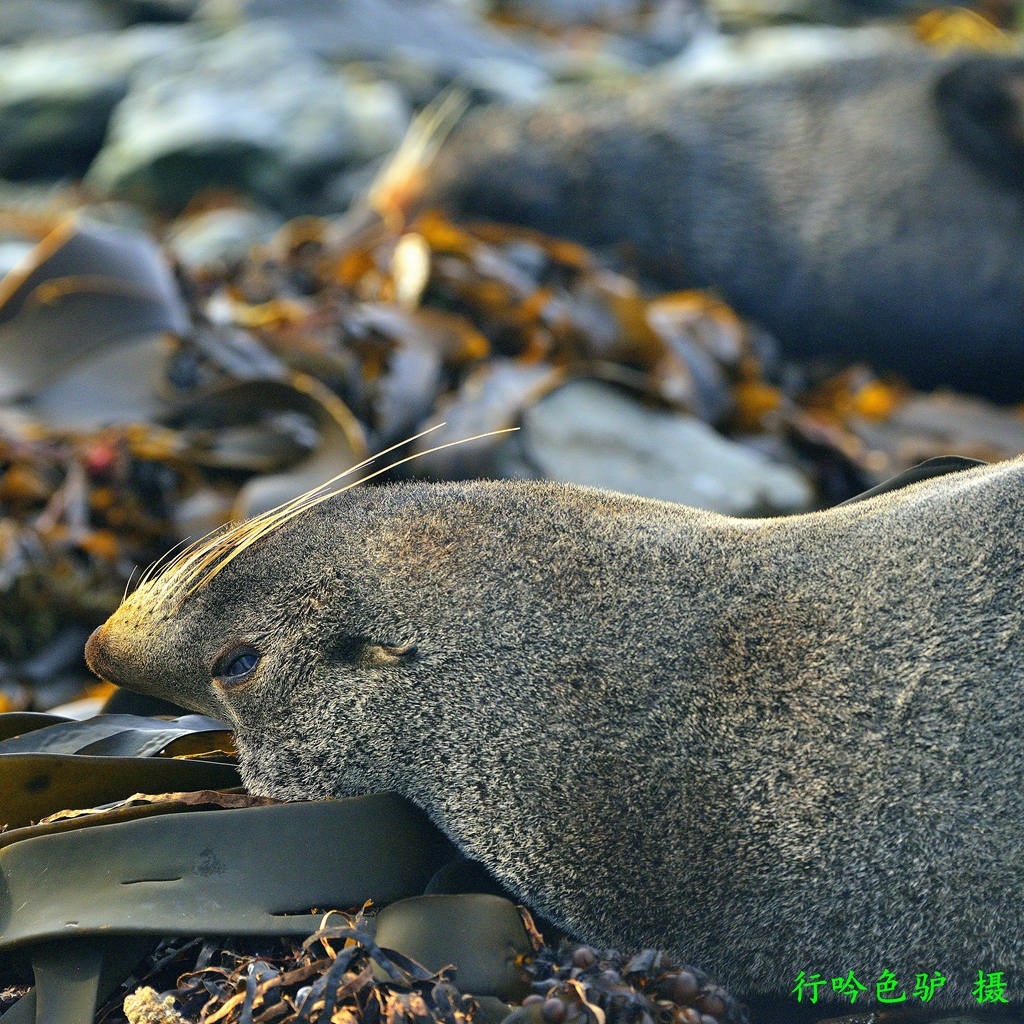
94	652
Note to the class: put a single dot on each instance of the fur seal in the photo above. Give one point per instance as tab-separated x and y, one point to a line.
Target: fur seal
863	202
771	746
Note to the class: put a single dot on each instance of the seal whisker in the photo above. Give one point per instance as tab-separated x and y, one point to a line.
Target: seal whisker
303	503
154	566
192	561
195	566
131	576
417	455
165	564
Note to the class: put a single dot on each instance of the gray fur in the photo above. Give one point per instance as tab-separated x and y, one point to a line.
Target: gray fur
868	207
766	745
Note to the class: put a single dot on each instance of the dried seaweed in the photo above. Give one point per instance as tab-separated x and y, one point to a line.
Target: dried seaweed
252	981
249	982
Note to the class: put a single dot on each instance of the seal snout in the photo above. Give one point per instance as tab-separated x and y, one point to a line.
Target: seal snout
97	654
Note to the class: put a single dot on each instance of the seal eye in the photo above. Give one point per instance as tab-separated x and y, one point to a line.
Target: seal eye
235	667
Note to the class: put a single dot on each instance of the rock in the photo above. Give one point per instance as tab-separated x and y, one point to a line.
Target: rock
220	237
744	13
786	52
119	384
12	252
55	19
587	432
156	10
492	397
563	14
636	31
56	97
431	34
84	292
861	204
30	203
250	110
925	426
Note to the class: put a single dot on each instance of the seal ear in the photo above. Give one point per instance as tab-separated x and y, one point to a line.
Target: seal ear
379	655
981	103
361	650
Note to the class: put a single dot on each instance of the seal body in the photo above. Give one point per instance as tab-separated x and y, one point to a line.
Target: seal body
770	746
866	205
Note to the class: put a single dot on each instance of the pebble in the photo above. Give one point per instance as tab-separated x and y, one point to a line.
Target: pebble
553	1010
436	36
57	96
248	109
684	987
54	19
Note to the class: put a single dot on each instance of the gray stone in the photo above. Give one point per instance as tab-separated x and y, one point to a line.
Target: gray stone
248	109
50	200
637	31
56	97
31	203
587	432
928	425
119	384
155	10
440	36
12	252
55	19
502	79
744	13
770	54
565	13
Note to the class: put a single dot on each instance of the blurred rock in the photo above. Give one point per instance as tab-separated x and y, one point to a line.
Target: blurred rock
155	10
122	384
785	52
55	19
745	13
564	13
12	252
925	426
637	32
56	97
491	398
85	291
221	237
432	34
249	109
589	433
53	198
858	195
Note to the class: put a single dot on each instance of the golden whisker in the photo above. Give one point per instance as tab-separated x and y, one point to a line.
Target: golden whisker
153	566
131	576
429	451
302	504
199	558
162	562
193	560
